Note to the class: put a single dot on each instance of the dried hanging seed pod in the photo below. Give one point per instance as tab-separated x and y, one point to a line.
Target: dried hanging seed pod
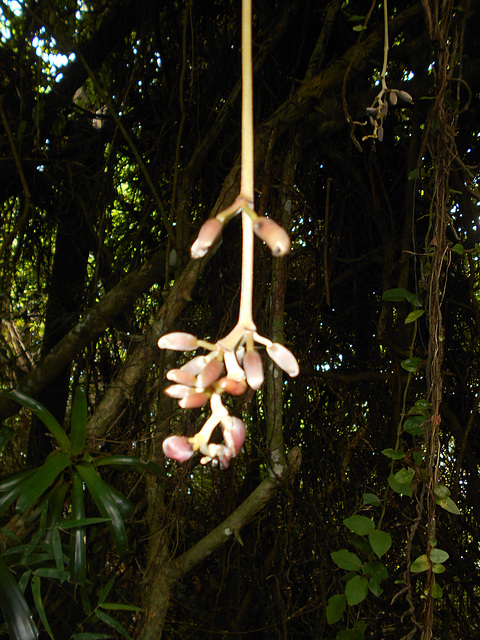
274	236
209	232
393	97
403	95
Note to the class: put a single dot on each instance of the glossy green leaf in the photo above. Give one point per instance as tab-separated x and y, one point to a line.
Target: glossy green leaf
393	454
82	522
395	295
78	422
106	504
9	496
42	414
448	504
14	481
374	587
56	504
380	542
113	623
438	568
41	480
441	491
436	592
346	560
414	425
371	498
356	590
125	506
14	608
335	608
414	315
375	569
359	524
37	598
438	556
78	545
422	563
129	461
52	573
411	364
458	248
404	489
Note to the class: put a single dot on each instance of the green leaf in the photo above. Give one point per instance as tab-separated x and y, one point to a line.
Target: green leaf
82	522
346	560
113	623
375	569
414	425
359	524
129	461
441	492
106	504
414	174
118	606
395	295
438	568
15	486
42	414
458	248
15	610
414	315
52	573
380	542
438	556
448	504
78	545
477	247
436	592
374	587
356	590
56	501
411	364
422	563
78	431
371	498
37	598
399	487
39	482
393	454
359	27
335	608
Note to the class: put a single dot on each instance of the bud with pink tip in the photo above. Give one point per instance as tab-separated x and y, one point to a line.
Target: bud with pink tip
178	341
208	234
253	367
234	434
195	365
193	401
178	391
284	358
177	448
232	386
181	377
211	372
273	235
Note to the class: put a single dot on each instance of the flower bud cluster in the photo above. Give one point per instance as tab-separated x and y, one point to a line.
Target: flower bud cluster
205	378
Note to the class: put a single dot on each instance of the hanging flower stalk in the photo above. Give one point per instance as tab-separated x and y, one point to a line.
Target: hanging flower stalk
232	363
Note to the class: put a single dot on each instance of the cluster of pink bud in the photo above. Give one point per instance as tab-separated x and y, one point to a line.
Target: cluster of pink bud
205	378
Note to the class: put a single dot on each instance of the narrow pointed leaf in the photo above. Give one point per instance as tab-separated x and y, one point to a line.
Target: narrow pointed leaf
129	461
82	522
39	482
13	489
42	414
15	610
118	606
107	506
56	502
113	623
78	432
37	598
78	545
91	636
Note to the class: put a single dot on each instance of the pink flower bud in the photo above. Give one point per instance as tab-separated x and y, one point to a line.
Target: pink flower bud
178	341
178	391
177	448
234	434
209	232
210	373
253	367
195	365
181	377
273	235
403	95
284	358
193	401
233	387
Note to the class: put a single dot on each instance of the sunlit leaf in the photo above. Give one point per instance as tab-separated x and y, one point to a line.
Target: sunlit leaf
448	504
422	563
414	315
438	556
